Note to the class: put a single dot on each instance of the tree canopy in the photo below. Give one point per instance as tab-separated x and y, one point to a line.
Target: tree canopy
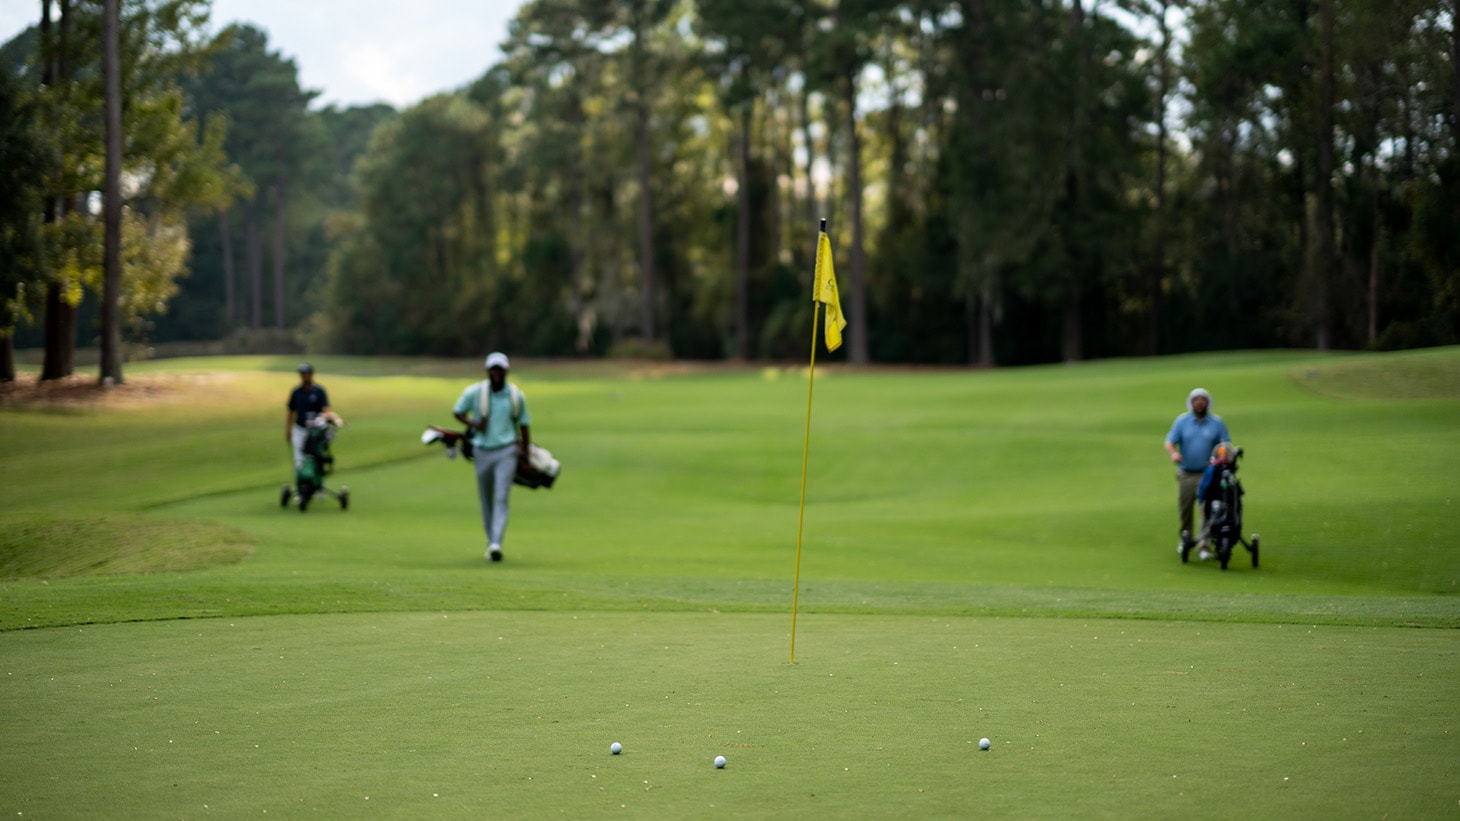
1006	181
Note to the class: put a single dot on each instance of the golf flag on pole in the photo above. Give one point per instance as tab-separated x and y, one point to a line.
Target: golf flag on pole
825	292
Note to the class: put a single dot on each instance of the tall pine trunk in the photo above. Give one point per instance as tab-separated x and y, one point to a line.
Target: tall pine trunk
230	289
1323	185
278	255
1158	261
111	295
1455	76
742	239
858	280
253	260
644	150
812	207
1377	228
7	357
1072	331
578	205
60	315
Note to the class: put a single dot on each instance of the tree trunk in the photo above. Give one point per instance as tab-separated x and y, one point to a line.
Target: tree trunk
858	280
1071	349
7	357
60	315
111	294
278	255
578	204
986	323
972	319
230	298
643	149
742	239
1323	187
1158	263
1376	228
976	268
1455	75
253	260
60	333
812	208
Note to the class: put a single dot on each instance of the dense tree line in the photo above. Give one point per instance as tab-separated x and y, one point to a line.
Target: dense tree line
1007	181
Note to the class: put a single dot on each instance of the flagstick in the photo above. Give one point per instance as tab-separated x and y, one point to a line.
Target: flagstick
805	450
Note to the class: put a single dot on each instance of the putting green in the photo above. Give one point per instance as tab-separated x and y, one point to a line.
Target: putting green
511	715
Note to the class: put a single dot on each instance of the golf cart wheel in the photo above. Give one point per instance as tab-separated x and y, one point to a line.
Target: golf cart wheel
1254	550
1186	544
344	498
1224	553
284	496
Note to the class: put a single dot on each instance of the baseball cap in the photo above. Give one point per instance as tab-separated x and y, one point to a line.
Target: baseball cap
305	367
497	359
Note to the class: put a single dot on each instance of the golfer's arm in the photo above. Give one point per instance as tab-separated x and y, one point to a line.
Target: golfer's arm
1171	449
464	419
526	439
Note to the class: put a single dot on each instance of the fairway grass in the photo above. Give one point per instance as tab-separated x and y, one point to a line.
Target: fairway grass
985	553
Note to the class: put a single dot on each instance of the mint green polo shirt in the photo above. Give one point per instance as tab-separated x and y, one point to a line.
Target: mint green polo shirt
501	430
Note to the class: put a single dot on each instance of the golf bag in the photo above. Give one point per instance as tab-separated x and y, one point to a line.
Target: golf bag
317	463
541	469
1220	496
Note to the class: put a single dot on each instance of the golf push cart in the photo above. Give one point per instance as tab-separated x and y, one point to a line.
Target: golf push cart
318	462
1220	496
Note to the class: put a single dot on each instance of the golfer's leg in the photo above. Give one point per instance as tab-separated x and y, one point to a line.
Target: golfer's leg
1186	497
504	467
484	490
297	436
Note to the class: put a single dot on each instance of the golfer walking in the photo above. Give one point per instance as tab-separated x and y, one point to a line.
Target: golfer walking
496	412
306	402
1189	444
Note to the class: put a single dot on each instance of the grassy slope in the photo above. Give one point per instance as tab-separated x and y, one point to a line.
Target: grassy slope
1038	490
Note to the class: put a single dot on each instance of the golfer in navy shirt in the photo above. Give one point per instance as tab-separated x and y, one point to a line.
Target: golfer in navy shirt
305	403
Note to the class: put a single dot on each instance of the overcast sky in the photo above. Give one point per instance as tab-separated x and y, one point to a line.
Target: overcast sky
359	51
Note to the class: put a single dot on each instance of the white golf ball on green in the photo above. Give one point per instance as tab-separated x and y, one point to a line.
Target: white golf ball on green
615	748
720	761
983	743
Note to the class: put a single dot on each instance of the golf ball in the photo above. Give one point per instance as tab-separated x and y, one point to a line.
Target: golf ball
720	761
983	743
615	748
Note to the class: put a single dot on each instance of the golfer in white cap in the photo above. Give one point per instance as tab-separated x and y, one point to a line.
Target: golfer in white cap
1189	444
496	412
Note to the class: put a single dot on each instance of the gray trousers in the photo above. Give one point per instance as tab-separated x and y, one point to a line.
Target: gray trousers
1187	482
495	469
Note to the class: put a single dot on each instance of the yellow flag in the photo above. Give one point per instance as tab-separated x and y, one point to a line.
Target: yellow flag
825	291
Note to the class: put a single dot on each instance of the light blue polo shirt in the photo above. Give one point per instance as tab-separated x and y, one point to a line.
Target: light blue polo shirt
1196	438
501	430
